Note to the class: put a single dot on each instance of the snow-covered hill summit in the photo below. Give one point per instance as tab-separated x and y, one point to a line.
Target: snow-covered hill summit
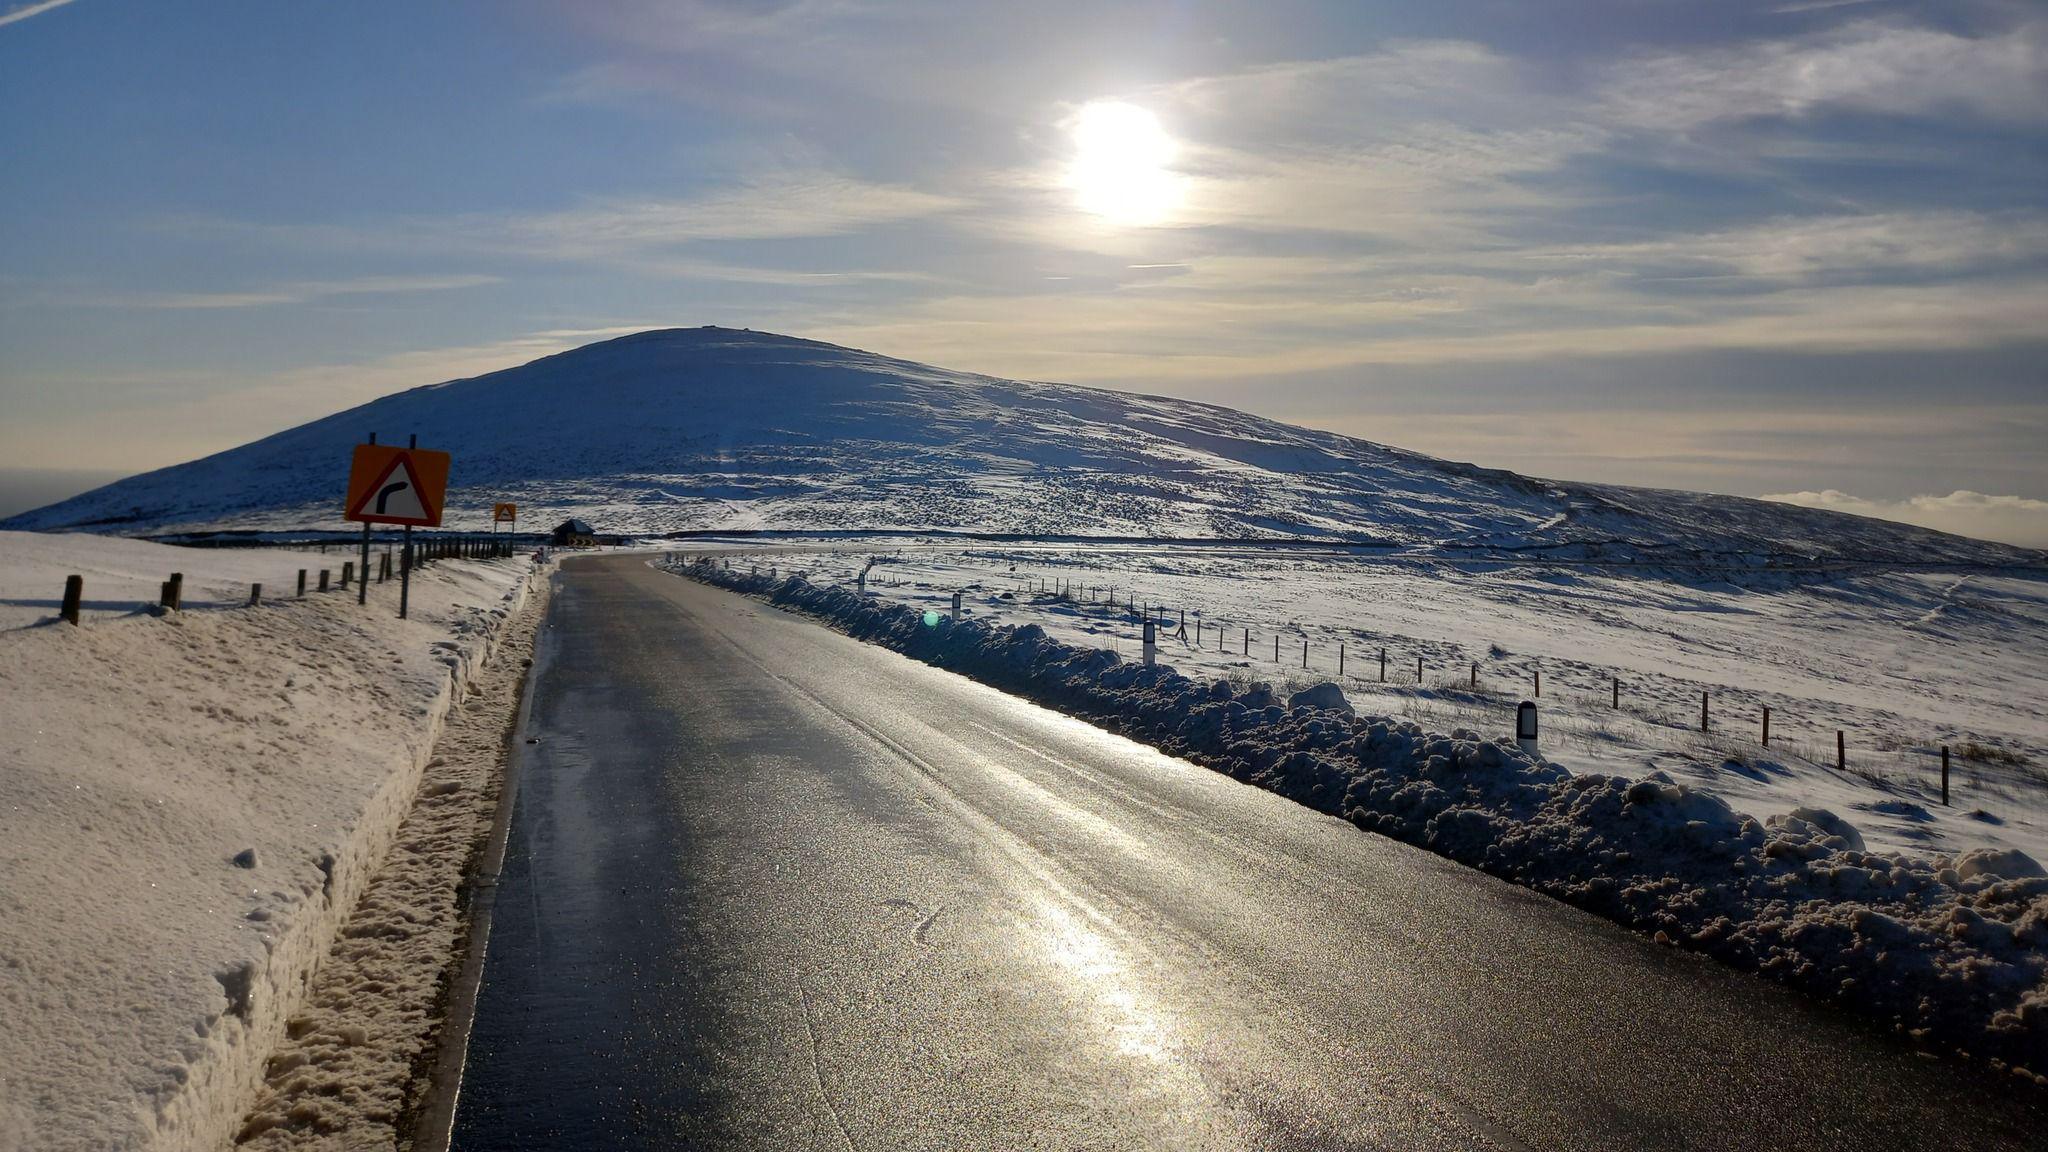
715	428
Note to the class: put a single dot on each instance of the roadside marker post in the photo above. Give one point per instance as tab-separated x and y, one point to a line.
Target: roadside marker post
956	607
1151	643
1525	726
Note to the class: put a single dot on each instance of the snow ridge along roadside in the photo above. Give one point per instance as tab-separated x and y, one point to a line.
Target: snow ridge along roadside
1946	950
191	805
359	1054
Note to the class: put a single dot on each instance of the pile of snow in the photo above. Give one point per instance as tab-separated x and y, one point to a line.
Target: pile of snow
1947	950
686	429
190	805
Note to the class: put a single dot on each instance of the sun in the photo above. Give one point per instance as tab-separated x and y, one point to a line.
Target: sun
1120	170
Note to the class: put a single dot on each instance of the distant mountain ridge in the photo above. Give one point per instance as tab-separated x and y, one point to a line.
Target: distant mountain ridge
714	428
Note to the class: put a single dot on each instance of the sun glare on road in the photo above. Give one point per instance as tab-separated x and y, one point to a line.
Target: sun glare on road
1120	164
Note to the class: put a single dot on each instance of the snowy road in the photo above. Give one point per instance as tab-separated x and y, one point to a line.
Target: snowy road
770	887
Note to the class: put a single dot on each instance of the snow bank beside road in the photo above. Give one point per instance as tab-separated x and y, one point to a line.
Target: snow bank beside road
1948	950
190	804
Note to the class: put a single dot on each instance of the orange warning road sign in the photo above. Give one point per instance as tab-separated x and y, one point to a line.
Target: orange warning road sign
389	485
503	512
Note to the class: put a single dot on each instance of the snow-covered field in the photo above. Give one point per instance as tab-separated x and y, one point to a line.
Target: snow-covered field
1900	662
189	805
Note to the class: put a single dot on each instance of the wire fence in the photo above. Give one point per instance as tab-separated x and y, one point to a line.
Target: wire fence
1448	685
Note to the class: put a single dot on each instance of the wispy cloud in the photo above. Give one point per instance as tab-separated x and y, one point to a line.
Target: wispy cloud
302	292
24	11
268	296
1872	66
2009	519
768	206
1817	6
786	206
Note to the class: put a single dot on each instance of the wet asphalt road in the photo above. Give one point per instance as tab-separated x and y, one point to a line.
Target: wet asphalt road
772	888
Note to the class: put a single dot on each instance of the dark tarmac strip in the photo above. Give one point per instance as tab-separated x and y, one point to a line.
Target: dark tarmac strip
769	887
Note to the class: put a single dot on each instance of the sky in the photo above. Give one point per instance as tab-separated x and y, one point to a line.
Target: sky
1795	248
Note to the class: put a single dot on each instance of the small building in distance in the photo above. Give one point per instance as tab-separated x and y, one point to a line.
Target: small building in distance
574	534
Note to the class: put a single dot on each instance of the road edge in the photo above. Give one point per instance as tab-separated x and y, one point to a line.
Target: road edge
433	1127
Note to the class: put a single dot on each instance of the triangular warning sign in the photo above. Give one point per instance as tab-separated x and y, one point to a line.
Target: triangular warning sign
396	497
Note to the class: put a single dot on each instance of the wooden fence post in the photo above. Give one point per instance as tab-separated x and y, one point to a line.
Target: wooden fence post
1475	674
302	581
1841	752
1276	647
178	591
1617	692
348	572
1383	665
1340	658
255	594
1418	667
74	591
1304	653
1767	725
323	579
1539	683
1703	710
1944	775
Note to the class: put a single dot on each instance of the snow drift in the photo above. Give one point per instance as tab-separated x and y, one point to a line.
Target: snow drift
1950	951
711	428
190	805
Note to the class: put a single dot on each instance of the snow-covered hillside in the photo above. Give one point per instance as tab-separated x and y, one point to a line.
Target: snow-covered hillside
714	428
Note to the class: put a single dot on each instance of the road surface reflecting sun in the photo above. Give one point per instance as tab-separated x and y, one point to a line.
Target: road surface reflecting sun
1120	164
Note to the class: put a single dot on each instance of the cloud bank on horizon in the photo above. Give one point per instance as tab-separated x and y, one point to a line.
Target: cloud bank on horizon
1755	248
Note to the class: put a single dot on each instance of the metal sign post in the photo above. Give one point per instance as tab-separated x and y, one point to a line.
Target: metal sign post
403	486
504	513
363	589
